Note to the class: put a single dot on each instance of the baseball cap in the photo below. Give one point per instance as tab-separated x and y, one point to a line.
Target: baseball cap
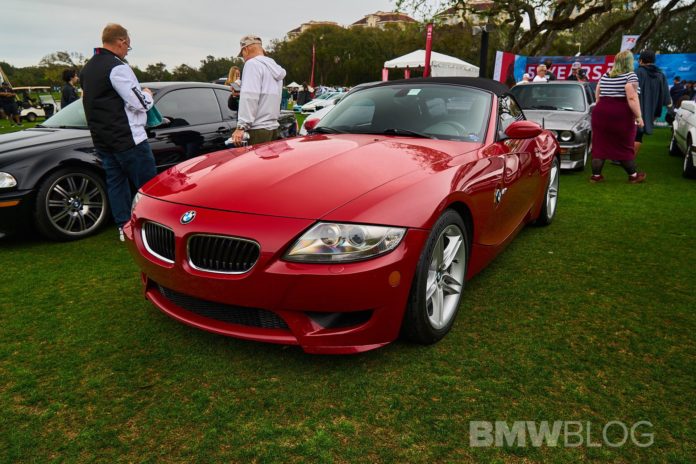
248	40
576	65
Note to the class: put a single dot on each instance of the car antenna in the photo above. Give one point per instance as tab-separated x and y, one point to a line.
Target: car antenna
543	123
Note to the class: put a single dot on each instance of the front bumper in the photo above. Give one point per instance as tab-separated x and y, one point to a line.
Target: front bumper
572	155
15	211
368	297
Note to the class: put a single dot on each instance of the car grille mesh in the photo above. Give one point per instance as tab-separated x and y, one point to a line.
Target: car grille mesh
222	254
241	315
159	240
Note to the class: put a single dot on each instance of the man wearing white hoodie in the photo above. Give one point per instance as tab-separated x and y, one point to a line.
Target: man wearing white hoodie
259	101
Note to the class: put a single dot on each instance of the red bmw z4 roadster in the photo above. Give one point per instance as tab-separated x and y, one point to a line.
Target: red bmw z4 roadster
362	231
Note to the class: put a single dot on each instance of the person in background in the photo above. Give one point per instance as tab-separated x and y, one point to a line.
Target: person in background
284	97
259	101
69	91
526	79
541	74
582	76
235	83
116	107
8	104
615	119
303	95
677	91
574	70
550	75
654	94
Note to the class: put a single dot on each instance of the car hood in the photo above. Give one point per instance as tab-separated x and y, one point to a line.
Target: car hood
559	120
39	138
303	177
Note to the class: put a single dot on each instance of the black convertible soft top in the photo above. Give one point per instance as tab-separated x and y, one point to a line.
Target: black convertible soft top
489	85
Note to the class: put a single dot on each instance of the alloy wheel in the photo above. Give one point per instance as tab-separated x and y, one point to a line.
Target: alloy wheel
445	280
75	204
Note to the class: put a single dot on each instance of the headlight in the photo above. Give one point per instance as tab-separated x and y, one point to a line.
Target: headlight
7	181
136	199
565	136
331	243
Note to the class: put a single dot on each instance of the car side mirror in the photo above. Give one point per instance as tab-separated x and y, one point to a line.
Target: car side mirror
523	130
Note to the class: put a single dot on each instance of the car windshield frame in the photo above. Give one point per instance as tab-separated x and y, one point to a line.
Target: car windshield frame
434	110
524	94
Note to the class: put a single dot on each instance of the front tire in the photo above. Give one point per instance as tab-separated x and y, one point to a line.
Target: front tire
31	117
674	148
71	204
439	281
548	208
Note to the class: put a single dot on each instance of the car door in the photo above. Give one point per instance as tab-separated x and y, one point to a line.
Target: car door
195	126
682	117
514	196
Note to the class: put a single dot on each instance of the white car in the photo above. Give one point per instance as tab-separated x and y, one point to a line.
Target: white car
327	99
311	121
684	137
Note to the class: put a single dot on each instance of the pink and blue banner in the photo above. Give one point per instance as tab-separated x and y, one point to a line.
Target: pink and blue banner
509	67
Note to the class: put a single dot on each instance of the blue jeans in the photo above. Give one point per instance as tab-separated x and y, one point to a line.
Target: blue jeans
136	165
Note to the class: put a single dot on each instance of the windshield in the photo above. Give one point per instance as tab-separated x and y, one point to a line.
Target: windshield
549	97
437	111
72	116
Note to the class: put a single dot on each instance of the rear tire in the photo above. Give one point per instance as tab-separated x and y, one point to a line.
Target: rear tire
550	201
31	117
437	287
71	204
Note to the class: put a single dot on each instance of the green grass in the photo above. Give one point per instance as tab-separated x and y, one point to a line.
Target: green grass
590	319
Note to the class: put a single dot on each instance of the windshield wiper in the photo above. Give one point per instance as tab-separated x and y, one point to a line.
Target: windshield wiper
70	127
325	130
406	132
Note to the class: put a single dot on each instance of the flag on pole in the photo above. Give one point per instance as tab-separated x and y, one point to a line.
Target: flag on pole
628	42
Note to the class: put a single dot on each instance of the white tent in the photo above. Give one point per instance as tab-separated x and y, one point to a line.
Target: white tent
440	65
293	85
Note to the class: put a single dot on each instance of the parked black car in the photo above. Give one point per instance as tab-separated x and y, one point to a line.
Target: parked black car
51	176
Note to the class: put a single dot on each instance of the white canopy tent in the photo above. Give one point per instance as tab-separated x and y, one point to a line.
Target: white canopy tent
293	85
440	65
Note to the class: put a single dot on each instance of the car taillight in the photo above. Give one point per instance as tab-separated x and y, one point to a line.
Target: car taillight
311	124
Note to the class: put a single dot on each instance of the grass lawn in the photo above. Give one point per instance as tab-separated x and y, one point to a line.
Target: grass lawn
591	319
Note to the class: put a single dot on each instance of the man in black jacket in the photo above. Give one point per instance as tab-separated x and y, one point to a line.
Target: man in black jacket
116	108
654	94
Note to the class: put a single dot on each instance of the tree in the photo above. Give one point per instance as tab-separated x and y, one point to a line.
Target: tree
184	72
534	26
157	72
213	68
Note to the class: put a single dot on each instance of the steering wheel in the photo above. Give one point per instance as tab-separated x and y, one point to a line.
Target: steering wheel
459	129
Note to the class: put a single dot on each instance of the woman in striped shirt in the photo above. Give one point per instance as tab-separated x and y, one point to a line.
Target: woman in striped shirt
615	118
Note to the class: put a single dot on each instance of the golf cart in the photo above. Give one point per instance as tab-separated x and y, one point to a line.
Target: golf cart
35	102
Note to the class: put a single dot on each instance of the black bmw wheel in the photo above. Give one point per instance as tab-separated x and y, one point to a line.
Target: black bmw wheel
71	204
439	281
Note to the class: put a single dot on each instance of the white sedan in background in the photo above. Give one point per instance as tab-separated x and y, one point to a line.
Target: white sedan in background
328	99
684	137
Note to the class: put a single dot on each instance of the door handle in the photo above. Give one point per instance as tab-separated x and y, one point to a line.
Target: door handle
223	130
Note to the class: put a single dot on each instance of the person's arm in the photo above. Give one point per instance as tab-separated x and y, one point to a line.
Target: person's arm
596	93
633	102
126	85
